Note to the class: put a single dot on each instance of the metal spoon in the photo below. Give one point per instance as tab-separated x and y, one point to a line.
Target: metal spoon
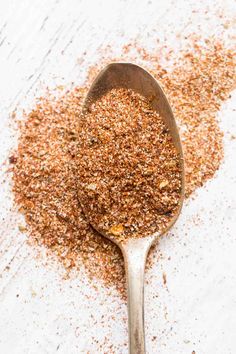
130	76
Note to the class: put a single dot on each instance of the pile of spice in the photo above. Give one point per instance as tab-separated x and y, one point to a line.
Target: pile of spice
129	172
44	183
200	81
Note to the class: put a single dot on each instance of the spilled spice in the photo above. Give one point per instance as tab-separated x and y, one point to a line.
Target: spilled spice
199	80
164	278
129	171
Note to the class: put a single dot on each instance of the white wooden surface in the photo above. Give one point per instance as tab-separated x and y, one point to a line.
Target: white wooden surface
41	42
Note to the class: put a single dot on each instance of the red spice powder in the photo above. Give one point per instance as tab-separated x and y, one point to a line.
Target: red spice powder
199	80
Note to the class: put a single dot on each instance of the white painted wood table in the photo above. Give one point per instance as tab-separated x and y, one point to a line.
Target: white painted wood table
41	42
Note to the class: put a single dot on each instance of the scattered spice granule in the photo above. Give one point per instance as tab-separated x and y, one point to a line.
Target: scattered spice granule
126	153
44	183
12	159
164	278
22	228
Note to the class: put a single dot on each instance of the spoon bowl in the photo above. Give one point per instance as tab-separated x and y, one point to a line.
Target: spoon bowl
135	250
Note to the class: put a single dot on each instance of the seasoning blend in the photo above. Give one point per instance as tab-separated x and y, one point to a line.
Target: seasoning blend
129	173
44	164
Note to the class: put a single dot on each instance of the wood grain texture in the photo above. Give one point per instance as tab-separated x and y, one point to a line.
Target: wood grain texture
41	44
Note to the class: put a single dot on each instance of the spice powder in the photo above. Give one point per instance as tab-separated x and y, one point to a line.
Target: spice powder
129	172
44	182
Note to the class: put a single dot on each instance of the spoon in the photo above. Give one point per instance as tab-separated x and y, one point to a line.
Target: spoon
135	250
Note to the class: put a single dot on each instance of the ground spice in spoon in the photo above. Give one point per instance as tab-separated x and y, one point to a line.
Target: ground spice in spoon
44	183
129	172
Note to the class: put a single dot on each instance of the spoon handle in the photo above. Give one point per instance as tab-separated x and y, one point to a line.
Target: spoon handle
135	254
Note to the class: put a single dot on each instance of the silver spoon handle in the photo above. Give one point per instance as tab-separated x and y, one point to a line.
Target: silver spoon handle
135	260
